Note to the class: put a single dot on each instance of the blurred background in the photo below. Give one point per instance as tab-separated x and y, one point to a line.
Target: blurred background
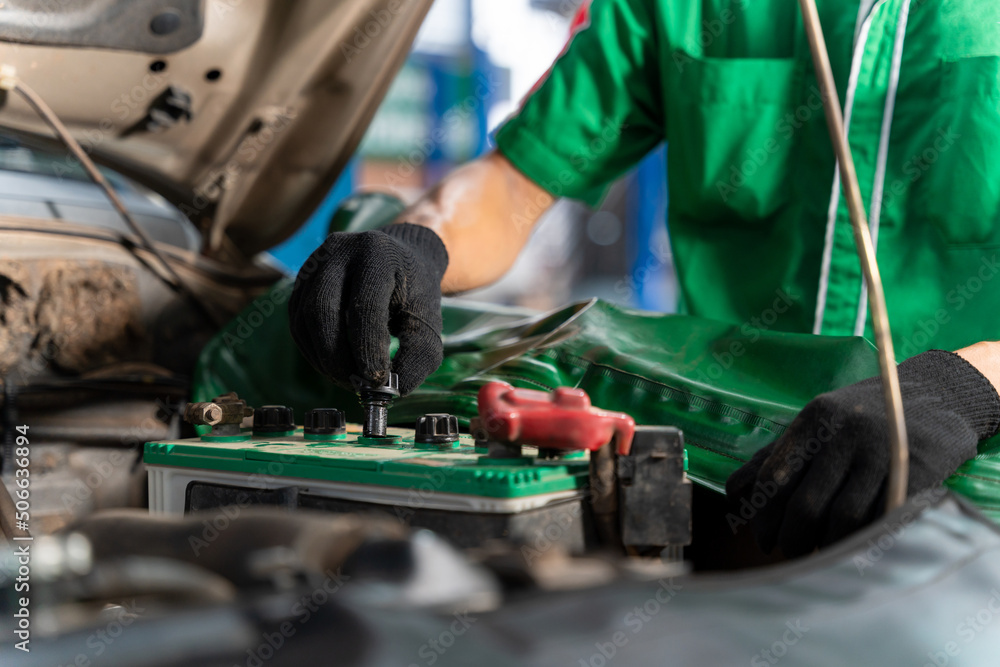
471	65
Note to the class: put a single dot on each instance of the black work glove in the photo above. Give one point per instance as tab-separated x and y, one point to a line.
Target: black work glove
358	288
826	475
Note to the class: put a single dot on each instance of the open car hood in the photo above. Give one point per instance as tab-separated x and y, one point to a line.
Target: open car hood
240	112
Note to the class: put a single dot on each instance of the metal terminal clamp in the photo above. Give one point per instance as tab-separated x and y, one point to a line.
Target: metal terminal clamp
223	413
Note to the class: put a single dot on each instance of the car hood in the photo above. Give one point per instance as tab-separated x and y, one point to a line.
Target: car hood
242	113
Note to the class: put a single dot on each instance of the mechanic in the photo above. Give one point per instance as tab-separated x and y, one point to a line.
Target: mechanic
756	210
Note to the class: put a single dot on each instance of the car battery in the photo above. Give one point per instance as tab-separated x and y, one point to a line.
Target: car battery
525	477
452	486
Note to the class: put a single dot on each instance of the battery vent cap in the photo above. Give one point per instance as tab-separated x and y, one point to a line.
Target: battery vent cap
436	429
273	419
324	421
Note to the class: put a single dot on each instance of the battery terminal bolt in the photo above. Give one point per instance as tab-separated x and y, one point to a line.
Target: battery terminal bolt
223	413
375	400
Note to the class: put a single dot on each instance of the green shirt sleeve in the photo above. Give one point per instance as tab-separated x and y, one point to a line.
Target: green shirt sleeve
598	111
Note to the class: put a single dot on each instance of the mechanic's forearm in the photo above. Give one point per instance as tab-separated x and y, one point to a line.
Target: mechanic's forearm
484	212
985	357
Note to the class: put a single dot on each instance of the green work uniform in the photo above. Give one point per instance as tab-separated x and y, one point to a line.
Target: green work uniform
759	226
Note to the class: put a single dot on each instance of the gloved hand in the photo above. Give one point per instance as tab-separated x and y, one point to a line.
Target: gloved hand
358	288
826	475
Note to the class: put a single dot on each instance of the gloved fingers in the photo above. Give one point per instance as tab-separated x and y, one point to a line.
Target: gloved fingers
356	289
778	479
789	460
318	342
297	313
299	330
420	347
741	483
857	503
367	308
808	508
316	305
795	452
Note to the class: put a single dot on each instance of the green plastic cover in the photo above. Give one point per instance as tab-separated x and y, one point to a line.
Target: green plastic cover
732	389
393	461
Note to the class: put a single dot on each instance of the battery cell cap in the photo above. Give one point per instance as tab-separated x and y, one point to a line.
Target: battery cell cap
324	421
436	429
273	419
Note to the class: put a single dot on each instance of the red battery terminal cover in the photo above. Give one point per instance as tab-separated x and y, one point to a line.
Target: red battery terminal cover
563	419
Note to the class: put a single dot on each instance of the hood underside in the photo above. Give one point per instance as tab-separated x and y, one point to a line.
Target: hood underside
242	113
